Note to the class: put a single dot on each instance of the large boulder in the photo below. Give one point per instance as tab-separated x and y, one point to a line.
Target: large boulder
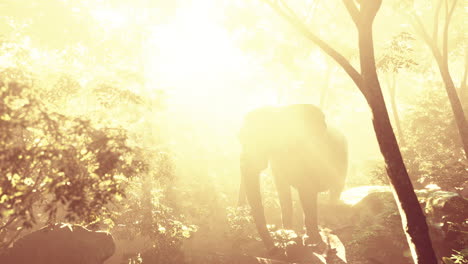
447	218
59	244
377	236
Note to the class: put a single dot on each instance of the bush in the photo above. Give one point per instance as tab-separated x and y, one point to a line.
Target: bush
51	161
433	153
150	213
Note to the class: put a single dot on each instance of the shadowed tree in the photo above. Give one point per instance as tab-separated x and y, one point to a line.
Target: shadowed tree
363	13
463	91
440	53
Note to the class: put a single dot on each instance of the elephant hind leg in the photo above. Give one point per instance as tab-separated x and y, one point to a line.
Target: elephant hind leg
284	196
309	205
335	192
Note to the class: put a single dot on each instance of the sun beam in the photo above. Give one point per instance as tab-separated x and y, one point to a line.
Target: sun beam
194	58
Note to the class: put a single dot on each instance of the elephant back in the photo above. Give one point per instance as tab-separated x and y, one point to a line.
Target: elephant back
275	128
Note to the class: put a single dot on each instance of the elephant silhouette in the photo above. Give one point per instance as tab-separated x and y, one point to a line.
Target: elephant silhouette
302	151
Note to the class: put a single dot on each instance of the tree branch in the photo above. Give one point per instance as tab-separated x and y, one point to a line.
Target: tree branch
448	17
311	12
435	25
352	10
293	19
432	43
368	10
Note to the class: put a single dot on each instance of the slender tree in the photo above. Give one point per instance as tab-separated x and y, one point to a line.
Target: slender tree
441	56
463	90
363	14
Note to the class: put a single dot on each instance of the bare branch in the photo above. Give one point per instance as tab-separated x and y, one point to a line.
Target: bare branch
435	25
452	8
291	12
419	28
289	15
352	10
446	8
311	12
448	17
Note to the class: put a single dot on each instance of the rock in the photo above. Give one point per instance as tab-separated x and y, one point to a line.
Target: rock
447	214
377	233
464	190
59	244
244	259
444	206
355	195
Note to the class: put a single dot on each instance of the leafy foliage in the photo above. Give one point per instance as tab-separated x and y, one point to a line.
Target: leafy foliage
150	213
51	161
241	227
398	54
375	238
440	161
458	257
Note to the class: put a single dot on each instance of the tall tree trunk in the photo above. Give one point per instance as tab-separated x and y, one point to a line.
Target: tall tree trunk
441	58
413	219
455	103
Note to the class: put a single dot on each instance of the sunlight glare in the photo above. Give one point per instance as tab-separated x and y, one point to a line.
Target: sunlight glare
355	195
109	17
319	60
194	58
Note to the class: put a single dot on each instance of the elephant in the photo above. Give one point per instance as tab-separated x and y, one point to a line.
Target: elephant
302	152
61	243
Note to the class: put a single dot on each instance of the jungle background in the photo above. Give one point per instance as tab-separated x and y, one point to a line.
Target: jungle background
123	115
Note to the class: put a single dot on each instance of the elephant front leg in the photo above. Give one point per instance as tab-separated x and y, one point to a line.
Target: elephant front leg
309	205
251	166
